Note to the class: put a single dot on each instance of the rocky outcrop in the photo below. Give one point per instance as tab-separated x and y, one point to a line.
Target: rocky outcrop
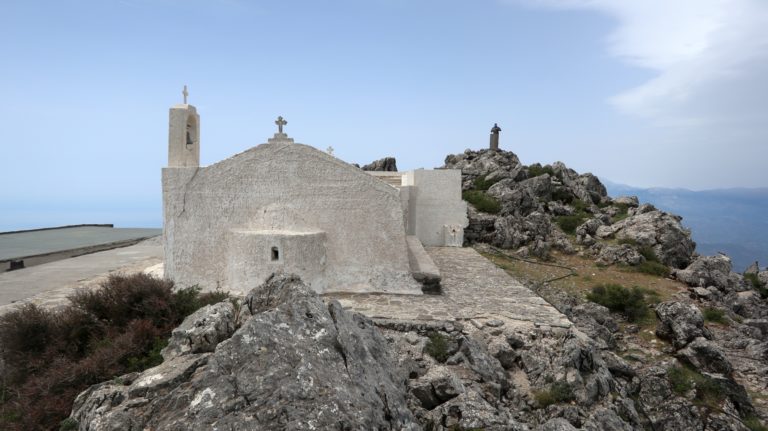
707	271
586	187
680	323
532	198
662	232
623	254
388	164
489	164
295	363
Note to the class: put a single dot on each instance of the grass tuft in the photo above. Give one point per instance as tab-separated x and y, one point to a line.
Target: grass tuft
754	424
709	392
437	347
558	392
482	183
715	315
480	200
617	298
536	170
569	223
754	280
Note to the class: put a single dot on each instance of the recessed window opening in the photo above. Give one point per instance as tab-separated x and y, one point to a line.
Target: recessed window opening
275	253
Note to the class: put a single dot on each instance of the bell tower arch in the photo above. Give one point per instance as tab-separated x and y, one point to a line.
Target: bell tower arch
183	135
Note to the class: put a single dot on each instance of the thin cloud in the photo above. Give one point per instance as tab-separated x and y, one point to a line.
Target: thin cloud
703	51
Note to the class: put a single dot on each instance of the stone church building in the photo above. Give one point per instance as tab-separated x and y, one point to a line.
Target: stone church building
288	207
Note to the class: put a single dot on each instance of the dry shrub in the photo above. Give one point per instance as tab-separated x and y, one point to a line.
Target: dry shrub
48	357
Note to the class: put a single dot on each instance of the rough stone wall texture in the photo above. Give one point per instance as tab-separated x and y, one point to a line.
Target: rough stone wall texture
435	201
183	136
285	187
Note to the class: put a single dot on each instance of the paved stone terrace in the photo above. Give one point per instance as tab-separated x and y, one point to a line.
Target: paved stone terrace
473	288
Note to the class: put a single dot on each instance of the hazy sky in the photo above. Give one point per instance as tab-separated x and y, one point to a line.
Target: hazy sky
667	93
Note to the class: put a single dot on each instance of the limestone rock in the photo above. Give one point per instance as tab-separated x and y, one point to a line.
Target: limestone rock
630	201
662	232
294	364
623	254
202	330
680	323
557	424
492	165
436	387
707	271
388	164
763	277
705	356
586	187
752	269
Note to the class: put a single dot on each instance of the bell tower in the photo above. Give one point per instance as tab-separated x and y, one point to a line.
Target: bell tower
183	135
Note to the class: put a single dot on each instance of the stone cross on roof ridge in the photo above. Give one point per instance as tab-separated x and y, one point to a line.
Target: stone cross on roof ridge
280	123
185	93
280	136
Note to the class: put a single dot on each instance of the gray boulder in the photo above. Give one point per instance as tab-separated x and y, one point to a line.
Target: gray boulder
763	277
630	201
753	269
707	271
388	164
623	254
705	356
661	231
515	198
680	323
294	364
586	187
202	330
489	164
661	407
557	424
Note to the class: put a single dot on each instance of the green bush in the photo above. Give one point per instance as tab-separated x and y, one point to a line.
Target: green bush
563	195
754	424
617	298
580	206
622	213
569	223
482	183
628	241
482	201
68	424
437	347
536	170
648	253
709	392
653	268
558	392
716	315
754	280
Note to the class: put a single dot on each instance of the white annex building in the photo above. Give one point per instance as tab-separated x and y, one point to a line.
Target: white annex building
288	207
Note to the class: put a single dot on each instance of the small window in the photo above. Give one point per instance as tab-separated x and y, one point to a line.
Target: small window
275	254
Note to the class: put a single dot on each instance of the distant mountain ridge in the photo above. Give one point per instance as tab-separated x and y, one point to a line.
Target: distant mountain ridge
733	221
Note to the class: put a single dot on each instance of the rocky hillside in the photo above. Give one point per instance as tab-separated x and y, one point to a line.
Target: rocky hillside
282	358
531	209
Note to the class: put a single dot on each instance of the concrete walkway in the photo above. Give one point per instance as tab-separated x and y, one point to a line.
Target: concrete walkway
50	283
473	288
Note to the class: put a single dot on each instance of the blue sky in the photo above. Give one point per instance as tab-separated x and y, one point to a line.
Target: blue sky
655	93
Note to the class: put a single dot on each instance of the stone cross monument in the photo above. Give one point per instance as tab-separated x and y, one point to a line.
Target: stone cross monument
280	123
495	136
280	136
